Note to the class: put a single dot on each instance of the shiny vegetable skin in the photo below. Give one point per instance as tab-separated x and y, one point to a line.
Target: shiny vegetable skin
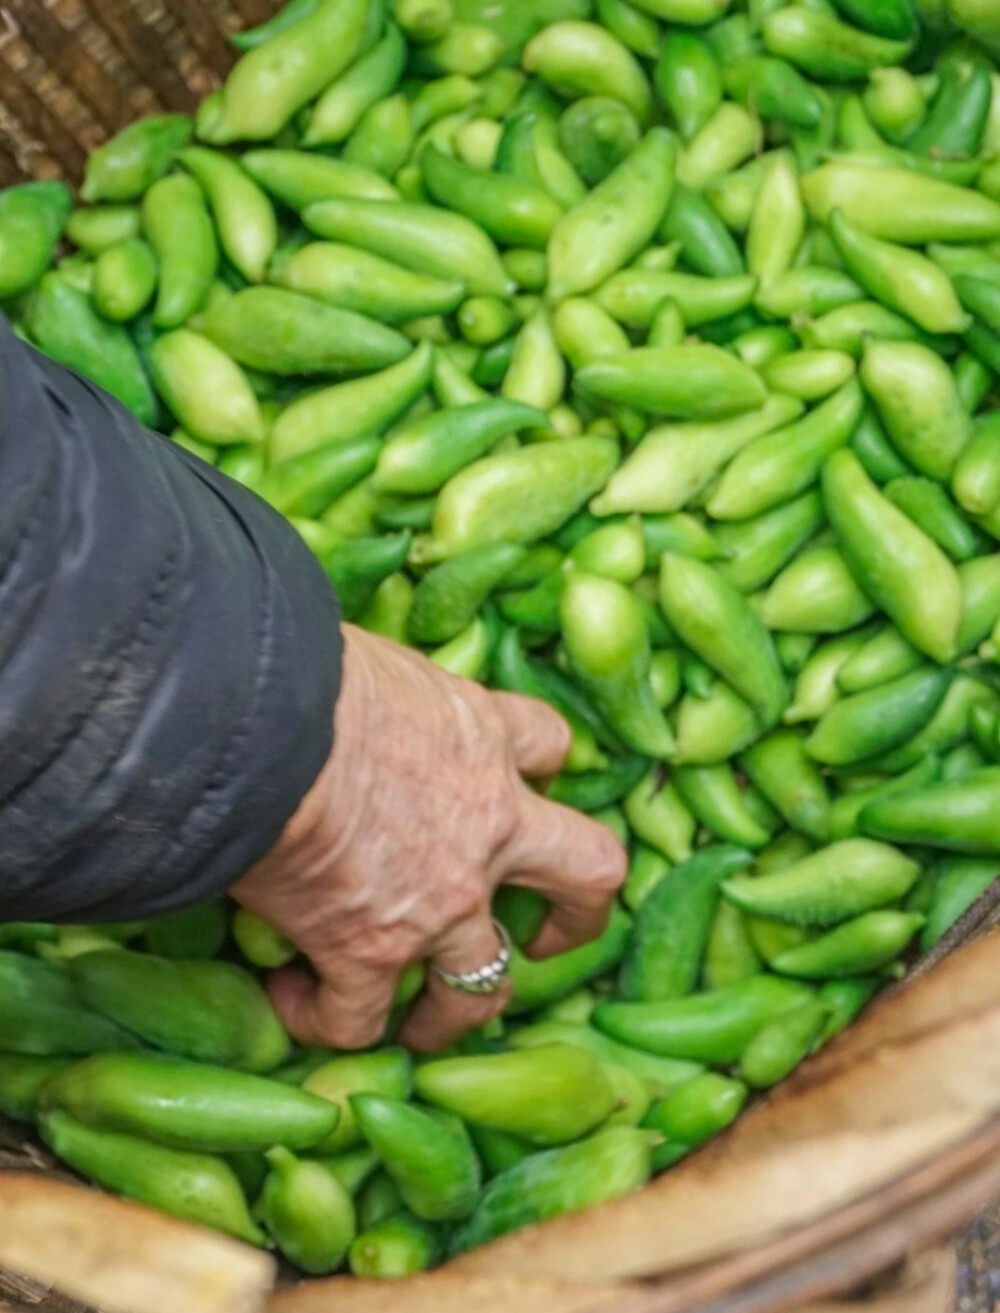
780	767
194	1186
960	881
664	951
831	885
607	643
278	77
827	48
351	409
585	59
22	1076
282	332
357	566
365	283
260	943
188	1105
615	221
179	228
780	464
205	389
539	983
715	799
688	382
42	1014
397	1246
608	1165
522	495
659	1074
244	216
308	483
730	955
298	178
62	322
388	1072
925	209
32	218
97	227
597	134
545	1096
419	237
713	1027
308	1212
421	456
915	394
208	1011
449	596
961	816
716	622
900	278
511	211
879	718
675	462
898	565
124	280
852	949
124	167
930	507
688	78
431	1160
845	999
778	1048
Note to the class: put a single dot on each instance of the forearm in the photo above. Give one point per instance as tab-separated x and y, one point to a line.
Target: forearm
169	661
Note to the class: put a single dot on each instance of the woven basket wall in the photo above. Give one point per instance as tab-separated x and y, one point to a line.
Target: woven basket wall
72	72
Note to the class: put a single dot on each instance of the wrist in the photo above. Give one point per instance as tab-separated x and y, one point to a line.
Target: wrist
330	812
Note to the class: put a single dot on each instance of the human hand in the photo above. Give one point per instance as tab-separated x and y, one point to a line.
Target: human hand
393	857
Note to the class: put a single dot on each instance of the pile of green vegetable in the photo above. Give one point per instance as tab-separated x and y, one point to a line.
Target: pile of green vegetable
637	356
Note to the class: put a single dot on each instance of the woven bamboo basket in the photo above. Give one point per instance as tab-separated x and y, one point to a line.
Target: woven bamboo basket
841	1192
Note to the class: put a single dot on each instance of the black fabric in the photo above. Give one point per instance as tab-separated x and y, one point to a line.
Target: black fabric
169	660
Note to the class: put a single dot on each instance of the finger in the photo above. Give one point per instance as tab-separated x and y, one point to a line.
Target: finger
568	927
539	736
349	1010
576	862
443	1013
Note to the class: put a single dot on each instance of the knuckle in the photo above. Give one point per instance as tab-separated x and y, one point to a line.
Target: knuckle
345	1025
353	1032
491	1005
483	702
610	865
467	903
475	1010
459	896
381	949
499	814
557	728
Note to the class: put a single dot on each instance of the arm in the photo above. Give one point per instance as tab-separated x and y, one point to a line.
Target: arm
169	660
169	667
420	814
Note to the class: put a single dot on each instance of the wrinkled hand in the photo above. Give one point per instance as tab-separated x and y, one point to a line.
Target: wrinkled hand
419	815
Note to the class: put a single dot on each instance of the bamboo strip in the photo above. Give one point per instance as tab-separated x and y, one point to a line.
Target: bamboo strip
73	62
141	44
205	36
39	123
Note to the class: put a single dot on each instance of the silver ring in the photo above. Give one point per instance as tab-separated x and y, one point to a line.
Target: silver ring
484	980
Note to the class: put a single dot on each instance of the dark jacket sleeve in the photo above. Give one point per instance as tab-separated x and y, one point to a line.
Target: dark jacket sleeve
169	660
